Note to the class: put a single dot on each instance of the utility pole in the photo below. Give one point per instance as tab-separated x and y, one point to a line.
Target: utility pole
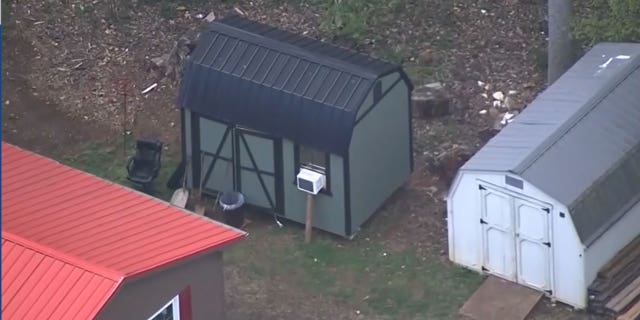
560	46
124	87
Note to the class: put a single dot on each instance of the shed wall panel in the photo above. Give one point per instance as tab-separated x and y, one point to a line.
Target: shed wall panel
328	209
141	298
380	151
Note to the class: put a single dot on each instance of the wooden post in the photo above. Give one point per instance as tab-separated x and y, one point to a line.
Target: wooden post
124	122
309	221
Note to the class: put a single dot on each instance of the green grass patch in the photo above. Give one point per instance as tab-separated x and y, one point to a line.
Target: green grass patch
607	20
362	273
6	11
355	19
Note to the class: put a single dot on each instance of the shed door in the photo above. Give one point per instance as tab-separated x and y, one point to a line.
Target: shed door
515	238
497	231
259	169
532	244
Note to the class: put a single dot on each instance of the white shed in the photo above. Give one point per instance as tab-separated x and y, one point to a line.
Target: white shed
556	194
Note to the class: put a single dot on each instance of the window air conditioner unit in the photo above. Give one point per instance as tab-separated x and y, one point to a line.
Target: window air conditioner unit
310	181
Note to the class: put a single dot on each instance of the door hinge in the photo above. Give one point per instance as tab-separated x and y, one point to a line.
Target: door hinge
482	221
481	187
547	210
548	244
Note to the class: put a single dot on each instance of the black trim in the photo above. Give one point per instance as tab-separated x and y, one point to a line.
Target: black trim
562	214
377	91
410	107
279	176
237	184
183	141
252	132
262	172
223	158
376	102
550	292
327	170
547	210
403	74
482	221
481	187
195	150
226	159
347	195
234	159
484	268
548	244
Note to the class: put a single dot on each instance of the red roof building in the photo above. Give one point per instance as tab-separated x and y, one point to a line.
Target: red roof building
75	246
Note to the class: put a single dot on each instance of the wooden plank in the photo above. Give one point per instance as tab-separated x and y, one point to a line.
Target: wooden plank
625	296
622	255
622	259
631	314
624	278
500	299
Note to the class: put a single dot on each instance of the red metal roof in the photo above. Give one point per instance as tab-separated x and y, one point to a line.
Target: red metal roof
69	238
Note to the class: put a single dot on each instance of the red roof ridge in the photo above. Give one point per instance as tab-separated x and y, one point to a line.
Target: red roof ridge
110	274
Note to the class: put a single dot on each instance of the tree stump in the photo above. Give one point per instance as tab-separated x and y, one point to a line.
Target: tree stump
430	101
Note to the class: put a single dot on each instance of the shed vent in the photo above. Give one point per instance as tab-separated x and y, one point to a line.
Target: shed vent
511	181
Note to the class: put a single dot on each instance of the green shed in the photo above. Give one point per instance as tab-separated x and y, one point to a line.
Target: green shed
259	103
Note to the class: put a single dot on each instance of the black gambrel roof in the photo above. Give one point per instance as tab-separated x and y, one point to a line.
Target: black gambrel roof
247	73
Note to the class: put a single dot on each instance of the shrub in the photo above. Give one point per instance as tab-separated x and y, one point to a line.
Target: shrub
608	20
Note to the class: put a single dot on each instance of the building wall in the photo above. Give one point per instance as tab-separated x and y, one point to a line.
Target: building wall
611	242
329	211
380	151
141	298
465	234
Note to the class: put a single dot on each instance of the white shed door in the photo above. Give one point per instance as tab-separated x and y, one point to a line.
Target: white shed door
515	235
532	244
497	226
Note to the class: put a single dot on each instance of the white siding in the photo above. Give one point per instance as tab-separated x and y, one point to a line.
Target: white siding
612	241
465	233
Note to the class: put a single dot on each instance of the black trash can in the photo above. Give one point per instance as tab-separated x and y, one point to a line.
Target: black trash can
231	203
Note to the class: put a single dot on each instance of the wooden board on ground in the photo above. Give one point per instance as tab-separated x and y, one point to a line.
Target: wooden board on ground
621	259
500	299
631	314
627	295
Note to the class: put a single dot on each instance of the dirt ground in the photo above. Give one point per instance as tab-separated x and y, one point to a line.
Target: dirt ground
62	88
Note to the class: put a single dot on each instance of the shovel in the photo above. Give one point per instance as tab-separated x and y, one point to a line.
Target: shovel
181	195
